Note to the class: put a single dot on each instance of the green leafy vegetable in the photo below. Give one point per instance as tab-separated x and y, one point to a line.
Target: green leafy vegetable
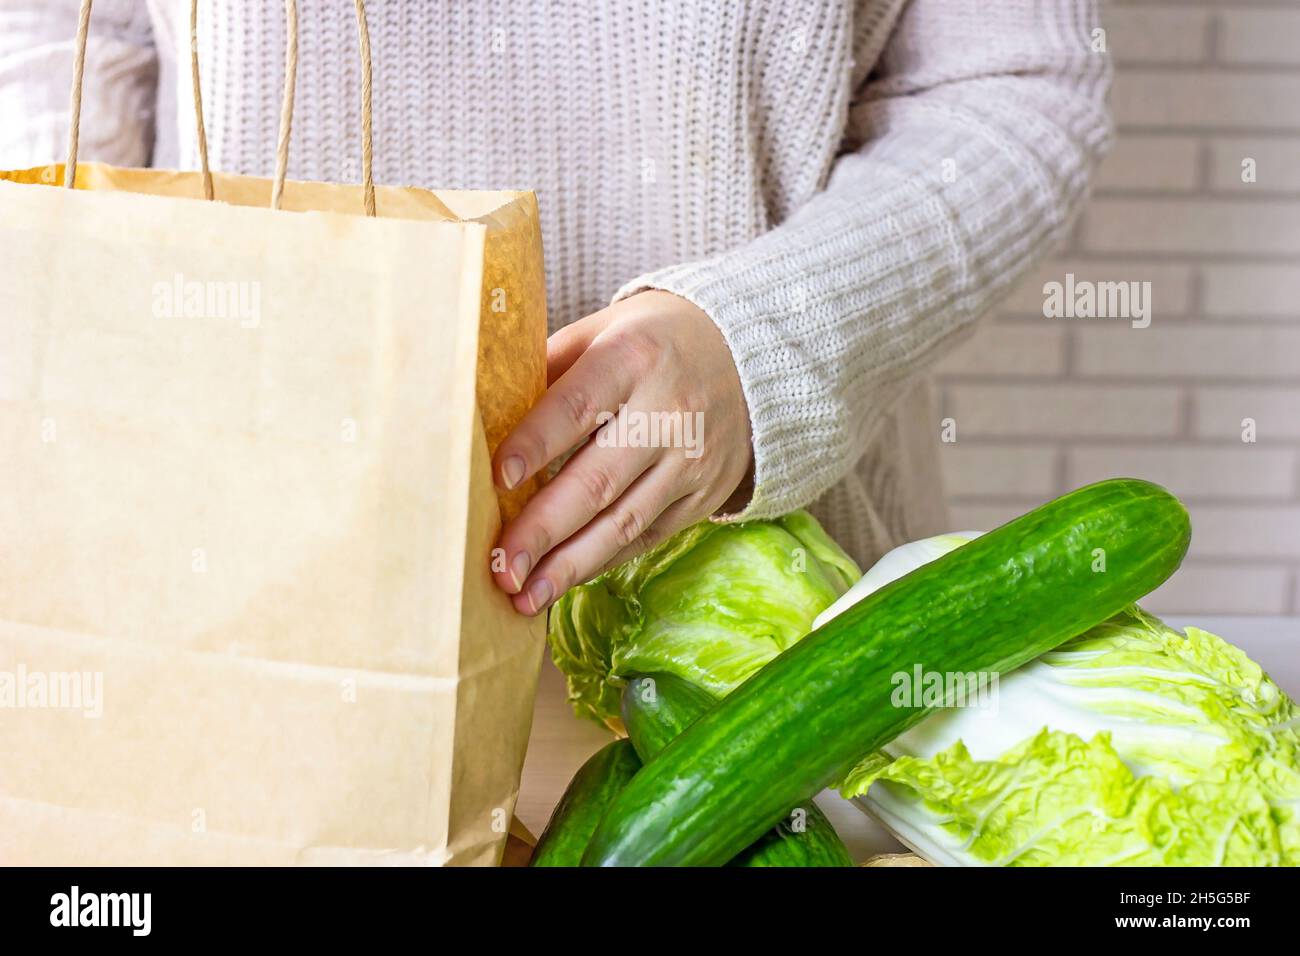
1132	744
1056	800
712	605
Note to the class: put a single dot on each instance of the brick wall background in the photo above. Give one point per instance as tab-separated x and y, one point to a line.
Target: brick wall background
1043	405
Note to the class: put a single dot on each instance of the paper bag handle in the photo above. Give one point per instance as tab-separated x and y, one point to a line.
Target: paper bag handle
198	100
78	69
286	111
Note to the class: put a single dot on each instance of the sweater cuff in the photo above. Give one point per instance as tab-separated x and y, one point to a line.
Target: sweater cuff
712	289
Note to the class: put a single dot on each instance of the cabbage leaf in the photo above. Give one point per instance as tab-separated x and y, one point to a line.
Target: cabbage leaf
712	604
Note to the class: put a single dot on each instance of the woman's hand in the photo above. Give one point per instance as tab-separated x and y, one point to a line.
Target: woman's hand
653	379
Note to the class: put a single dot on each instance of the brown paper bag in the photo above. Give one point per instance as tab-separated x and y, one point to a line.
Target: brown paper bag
246	614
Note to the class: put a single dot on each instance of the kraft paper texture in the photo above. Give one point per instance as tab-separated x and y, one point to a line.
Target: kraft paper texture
247	496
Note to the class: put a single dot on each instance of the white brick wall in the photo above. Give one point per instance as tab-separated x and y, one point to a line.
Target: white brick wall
1212	98
1043	405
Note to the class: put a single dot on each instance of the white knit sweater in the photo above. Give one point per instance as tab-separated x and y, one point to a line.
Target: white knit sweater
844	187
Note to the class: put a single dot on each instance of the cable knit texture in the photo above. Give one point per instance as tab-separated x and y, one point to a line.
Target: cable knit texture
844	187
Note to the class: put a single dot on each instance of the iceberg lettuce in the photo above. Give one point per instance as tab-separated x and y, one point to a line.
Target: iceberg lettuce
1132	744
712	604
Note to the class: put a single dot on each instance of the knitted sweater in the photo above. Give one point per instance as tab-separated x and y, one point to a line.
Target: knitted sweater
844	186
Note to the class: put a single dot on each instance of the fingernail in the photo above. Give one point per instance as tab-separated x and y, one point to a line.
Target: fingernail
512	471
519	568
539	594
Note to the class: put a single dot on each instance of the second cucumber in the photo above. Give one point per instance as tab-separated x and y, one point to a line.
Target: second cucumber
658	707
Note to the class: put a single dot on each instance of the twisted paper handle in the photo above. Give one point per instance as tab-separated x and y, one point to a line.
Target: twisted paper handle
198	99
78	70
286	109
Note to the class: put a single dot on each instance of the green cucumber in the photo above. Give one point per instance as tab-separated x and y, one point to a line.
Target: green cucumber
803	720
658	707
585	800
800	839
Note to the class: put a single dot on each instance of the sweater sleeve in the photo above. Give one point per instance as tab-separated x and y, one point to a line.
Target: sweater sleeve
967	151
37	42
